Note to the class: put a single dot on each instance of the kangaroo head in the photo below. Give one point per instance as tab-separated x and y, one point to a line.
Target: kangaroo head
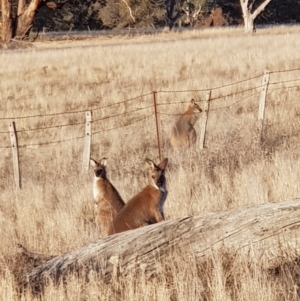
99	168
194	107
156	173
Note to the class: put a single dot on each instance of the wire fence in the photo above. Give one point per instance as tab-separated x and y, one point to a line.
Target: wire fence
132	111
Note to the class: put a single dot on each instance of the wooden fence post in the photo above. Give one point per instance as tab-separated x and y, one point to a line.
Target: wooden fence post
15	153
262	99
87	141
204	119
157	124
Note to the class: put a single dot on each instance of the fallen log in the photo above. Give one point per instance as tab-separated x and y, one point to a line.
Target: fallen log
268	227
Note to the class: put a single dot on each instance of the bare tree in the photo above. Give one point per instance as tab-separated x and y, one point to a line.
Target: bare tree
173	12
251	11
191	13
129	10
23	21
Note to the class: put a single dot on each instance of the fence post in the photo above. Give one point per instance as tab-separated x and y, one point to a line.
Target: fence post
87	141
262	99
204	119
15	153
157	124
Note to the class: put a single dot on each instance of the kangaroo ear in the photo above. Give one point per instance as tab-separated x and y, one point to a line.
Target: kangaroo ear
163	164
192	101
151	163
103	162
93	162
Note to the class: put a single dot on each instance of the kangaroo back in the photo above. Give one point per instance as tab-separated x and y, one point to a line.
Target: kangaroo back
108	202
146	207
183	132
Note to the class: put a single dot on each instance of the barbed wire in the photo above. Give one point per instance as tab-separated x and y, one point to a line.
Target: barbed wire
48	143
215	98
282	71
282	88
77	123
74	112
51	127
120	102
122	126
285	81
236	93
118	115
178	102
216	109
211	89
43	115
234	103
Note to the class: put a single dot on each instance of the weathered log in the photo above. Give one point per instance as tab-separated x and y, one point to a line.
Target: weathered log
268	227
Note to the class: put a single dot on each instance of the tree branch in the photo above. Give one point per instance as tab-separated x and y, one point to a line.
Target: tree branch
260	8
130	11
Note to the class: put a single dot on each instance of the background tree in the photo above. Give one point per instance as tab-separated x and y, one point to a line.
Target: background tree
192	9
251	9
173	12
132	13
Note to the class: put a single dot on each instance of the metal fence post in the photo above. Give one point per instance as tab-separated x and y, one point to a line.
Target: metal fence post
15	153
87	141
157	124
204	119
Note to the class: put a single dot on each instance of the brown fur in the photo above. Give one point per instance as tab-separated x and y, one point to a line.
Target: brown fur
146	207
108	202
183	132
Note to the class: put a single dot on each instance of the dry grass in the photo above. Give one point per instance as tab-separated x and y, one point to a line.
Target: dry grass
53	212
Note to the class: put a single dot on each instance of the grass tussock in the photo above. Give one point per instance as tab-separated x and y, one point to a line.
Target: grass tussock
53	212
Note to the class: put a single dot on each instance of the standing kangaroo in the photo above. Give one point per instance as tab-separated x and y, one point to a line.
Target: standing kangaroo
108	202
147	206
183	132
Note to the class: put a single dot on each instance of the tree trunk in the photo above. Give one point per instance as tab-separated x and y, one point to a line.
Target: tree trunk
26	17
6	31
249	15
271	228
248	23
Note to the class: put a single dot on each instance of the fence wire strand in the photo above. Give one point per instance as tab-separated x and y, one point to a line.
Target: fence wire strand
216	109
43	115
283	71
73	112
122	126
121	114
234	103
121	102
49	143
211	89
236	93
50	127
283	88
285	81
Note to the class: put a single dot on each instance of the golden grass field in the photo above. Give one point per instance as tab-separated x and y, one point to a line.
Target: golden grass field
53	212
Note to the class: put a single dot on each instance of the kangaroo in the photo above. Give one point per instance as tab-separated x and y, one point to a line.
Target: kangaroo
108	202
183	132
147	206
